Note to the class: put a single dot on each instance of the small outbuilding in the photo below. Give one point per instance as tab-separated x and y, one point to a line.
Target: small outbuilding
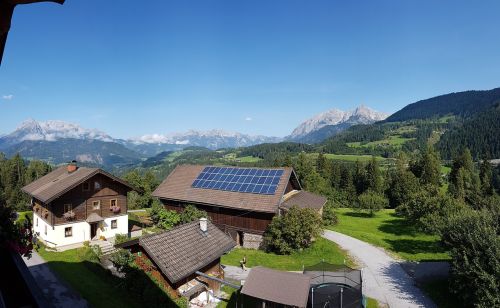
271	288
187	258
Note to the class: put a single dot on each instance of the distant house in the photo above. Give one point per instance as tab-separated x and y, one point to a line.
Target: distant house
240	201
74	204
186	256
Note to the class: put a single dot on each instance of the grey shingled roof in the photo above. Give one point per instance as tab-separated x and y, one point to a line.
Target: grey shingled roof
280	287
60	181
185	249
304	199
93	217
177	186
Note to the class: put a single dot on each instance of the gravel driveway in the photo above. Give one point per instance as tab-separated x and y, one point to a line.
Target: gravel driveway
383	277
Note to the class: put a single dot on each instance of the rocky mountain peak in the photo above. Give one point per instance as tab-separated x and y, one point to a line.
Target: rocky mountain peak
360	115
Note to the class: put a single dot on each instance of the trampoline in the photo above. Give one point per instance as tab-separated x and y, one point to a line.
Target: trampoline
334	286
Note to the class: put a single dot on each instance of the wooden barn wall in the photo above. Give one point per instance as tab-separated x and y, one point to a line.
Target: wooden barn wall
229	220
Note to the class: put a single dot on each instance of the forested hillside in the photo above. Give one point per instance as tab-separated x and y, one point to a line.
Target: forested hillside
16	173
463	104
481	134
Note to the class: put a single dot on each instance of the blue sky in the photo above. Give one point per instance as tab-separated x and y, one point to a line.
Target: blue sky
259	67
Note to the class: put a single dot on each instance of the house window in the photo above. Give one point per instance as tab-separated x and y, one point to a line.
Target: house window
45	230
68	231
97	185
114	224
68	208
113	203
96	205
86	186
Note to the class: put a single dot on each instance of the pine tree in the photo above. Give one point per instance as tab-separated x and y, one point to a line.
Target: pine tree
372	176
464	181
486	177
359	178
428	167
402	183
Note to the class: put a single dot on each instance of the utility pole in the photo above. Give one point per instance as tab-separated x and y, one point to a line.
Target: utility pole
6	11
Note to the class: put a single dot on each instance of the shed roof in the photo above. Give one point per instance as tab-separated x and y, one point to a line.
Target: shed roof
178	186
304	199
186	249
56	183
277	286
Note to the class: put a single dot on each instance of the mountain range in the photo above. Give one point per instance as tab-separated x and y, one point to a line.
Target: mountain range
334	130
332	122
59	141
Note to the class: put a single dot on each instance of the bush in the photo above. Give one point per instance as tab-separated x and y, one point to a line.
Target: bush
168	219
329	215
90	253
156	208
428	210
191	213
122	260
372	202
292	231
473	238
121	238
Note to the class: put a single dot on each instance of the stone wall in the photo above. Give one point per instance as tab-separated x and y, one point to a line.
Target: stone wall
252	241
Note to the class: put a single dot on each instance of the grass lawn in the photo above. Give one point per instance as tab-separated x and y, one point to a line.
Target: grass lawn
89	279
391	232
247	159
371	303
322	249
22	216
445	169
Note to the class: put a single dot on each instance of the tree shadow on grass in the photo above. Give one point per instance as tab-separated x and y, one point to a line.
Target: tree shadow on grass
414	246
398	227
101	289
358	214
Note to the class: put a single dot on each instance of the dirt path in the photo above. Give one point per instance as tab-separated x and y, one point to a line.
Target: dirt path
383	277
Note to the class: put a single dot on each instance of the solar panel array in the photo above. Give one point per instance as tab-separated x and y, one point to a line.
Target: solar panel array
246	180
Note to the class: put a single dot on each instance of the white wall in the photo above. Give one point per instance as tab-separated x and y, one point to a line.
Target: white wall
122	226
56	235
81	230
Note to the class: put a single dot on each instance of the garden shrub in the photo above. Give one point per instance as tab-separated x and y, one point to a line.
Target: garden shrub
292	231
329	215
192	213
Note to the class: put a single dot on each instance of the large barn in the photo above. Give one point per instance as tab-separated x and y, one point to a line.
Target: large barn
240	201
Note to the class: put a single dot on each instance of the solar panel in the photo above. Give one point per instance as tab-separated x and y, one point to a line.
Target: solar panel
247	180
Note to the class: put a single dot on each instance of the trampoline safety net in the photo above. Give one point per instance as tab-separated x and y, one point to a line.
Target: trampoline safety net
334	286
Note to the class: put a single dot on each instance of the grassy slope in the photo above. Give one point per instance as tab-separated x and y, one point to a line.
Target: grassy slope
391	232
394	140
321	250
89	279
349	157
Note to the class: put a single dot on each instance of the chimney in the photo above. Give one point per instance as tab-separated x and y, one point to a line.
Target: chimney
72	166
203	224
